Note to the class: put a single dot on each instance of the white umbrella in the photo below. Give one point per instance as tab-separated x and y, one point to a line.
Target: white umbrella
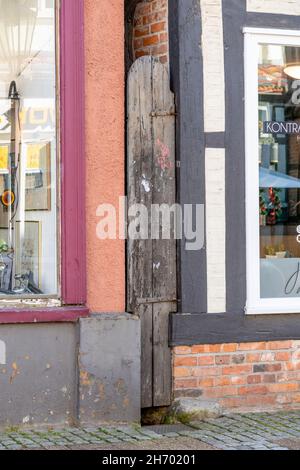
274	179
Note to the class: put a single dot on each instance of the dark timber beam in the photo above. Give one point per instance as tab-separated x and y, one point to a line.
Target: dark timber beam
186	81
221	328
199	327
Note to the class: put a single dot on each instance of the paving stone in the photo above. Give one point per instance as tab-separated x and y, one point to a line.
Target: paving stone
280	448
92	429
14	447
258	431
153	435
100	436
133	434
167	428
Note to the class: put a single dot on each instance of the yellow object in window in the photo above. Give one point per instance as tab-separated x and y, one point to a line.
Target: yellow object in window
3	157
33	157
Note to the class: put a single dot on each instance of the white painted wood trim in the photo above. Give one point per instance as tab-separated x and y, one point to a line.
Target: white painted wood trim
252	171
272	32
274	307
280	7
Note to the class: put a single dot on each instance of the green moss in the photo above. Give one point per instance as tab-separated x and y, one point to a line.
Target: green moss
169	419
10	429
174	417
154	416
185	418
168	415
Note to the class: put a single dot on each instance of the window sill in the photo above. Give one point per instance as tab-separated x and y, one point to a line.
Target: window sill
44	315
284	308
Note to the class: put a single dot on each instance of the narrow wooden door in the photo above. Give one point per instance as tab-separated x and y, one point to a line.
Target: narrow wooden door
151	262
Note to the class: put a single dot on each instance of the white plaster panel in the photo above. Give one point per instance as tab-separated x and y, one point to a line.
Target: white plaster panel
213	65
215	229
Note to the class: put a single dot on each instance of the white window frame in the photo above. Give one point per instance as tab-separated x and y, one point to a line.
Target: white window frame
253	37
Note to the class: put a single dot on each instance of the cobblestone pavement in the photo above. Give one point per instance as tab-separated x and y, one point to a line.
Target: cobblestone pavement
255	431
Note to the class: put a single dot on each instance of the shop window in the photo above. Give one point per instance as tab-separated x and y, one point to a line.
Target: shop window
29	196
272	70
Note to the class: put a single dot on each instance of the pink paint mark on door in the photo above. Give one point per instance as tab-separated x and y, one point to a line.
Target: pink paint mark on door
163	156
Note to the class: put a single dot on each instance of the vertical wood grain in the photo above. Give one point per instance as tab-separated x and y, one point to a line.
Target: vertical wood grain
151	263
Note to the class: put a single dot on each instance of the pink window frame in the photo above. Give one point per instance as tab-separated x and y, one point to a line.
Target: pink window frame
72	150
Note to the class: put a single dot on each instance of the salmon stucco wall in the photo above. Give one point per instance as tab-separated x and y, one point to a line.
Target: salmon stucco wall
104	64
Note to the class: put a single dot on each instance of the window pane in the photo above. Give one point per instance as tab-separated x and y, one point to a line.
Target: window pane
28	157
279	170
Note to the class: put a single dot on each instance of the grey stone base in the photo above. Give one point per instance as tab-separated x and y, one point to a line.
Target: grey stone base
64	373
38	377
109	388
197	409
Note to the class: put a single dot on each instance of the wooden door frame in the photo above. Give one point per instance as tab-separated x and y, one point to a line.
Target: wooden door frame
130	6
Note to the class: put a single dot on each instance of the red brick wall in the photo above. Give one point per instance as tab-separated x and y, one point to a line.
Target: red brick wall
150	35
240	376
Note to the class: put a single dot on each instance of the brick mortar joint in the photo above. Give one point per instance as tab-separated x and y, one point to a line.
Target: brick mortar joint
236	355
149	14
187	350
240	352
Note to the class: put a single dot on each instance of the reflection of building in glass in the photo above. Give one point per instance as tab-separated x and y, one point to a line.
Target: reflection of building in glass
28	174
279	166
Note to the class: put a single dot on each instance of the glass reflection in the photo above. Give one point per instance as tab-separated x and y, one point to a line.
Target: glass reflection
279	171
28	200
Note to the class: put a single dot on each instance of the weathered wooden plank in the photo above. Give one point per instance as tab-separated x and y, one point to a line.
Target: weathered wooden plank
151	181
139	252
145	313
162	360
164	250
139	158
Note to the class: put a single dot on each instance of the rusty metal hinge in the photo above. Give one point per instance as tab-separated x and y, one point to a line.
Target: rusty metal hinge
158	300
161	113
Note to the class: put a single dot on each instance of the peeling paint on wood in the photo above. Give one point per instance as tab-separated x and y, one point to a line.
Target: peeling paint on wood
151	180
